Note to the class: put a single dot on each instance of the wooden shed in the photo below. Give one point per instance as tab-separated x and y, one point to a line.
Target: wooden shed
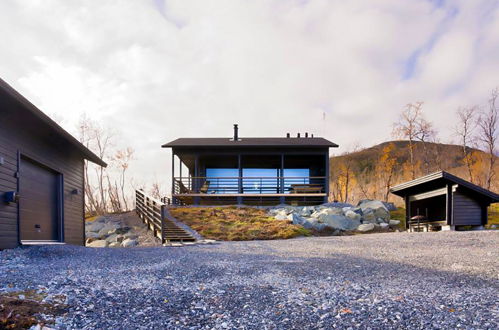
41	176
444	201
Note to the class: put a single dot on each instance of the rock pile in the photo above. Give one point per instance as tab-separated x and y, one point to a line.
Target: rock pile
367	216
124	230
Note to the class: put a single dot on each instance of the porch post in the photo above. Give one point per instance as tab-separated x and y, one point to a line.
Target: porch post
448	202
407	211
282	200
173	177
239	179
196	180
326	180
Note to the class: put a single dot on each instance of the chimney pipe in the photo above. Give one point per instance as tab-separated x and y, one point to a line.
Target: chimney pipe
306	134
298	135
288	135
312	135
236	135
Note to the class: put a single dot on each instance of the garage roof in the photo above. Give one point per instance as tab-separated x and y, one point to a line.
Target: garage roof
45	120
313	142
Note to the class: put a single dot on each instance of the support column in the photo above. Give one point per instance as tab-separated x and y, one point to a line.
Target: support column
448	202
239	179
174	200
326	180
282	200
407	211
195	182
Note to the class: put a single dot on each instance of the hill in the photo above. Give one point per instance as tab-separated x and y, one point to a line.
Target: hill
370	172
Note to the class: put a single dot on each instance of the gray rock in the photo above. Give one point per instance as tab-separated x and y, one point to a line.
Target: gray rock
379	209
353	215
339	222
297	220
115	244
365	227
129	243
390	206
384	226
394	222
112	238
98	244
281	215
336	204
91	234
94	226
368	216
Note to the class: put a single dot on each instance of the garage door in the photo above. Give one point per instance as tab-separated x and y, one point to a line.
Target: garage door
38	205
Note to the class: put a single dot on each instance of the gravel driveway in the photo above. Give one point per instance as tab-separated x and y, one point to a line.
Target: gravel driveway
396	280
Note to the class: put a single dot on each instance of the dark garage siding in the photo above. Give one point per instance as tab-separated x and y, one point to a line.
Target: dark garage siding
38	142
466	211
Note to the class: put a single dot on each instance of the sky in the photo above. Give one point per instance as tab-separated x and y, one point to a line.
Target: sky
156	70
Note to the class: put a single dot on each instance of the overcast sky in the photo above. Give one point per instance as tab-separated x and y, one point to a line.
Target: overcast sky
156	70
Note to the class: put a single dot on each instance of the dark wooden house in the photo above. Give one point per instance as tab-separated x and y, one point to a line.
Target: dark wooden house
293	170
444	201
41	176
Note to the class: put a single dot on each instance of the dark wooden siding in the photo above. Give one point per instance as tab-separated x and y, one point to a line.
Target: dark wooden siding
466	210
25	134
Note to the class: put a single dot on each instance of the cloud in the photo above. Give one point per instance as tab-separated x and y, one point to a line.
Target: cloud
158	70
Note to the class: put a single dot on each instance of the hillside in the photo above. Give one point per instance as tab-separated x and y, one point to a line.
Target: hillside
367	172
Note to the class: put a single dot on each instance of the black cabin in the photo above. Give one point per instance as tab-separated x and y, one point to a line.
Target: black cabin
41	176
209	171
444	201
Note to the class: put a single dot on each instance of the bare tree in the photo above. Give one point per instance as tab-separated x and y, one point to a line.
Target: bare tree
425	133
407	127
488	134
386	169
465	130
123	158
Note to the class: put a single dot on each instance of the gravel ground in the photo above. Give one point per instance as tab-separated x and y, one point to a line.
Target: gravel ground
395	280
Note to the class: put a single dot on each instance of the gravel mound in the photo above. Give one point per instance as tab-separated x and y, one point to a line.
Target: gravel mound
398	280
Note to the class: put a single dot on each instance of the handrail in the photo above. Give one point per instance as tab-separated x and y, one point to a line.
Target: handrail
150	210
259	185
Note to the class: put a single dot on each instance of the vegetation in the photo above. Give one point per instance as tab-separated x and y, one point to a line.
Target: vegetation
237	224
399	214
371	172
494	214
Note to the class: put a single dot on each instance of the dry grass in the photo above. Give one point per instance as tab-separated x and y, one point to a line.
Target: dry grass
237	224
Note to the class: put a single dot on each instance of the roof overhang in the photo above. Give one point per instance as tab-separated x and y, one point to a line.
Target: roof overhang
441	178
263	142
45	120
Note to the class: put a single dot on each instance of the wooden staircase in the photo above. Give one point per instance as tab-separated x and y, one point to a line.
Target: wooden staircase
152	212
173	233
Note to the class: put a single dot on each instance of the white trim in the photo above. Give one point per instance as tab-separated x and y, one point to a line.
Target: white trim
27	242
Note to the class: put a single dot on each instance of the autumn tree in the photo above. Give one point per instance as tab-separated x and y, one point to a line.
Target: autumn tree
386	169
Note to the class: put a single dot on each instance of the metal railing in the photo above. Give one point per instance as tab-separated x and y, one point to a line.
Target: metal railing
150	210
248	185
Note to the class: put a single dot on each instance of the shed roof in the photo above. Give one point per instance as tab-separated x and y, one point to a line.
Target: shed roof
267	142
45	120
444	177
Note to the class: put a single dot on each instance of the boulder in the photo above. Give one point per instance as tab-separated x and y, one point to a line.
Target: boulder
98	244
129	243
394	222
352	215
384	226
365	227
306	211
379	209
94	226
335	205
297	220
112	238
91	234
281	215
368	216
115	244
390	206
339	222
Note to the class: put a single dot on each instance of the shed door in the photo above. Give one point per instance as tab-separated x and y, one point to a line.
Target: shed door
38	205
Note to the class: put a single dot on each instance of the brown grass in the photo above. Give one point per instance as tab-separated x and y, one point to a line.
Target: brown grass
237	224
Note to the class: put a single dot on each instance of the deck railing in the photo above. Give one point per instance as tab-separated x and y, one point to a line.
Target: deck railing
150	210
248	185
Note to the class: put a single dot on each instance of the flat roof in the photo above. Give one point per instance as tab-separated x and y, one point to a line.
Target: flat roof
401	189
46	120
268	142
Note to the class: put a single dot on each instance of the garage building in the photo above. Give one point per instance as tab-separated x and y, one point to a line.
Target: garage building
41	176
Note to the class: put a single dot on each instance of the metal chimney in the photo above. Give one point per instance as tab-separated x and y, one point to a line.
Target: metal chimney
298	135
236	135
288	135
306	134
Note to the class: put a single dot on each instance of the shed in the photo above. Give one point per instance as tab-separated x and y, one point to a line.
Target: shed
444	201
41	176
250	170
